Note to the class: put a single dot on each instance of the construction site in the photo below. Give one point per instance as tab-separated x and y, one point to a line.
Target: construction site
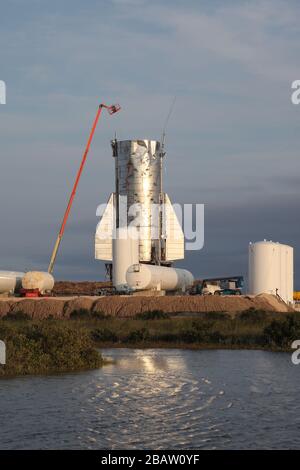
140	255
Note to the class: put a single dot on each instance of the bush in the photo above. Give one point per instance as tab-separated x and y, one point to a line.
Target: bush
81	314
282	333
19	315
153	315
99	316
167	337
46	347
105	335
253	315
84	314
215	316
137	336
190	336
215	337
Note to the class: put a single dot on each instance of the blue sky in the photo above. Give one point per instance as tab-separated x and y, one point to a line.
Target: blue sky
232	141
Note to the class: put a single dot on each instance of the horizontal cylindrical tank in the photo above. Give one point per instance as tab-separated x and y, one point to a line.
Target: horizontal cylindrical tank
10	281
36	280
151	277
271	269
125	253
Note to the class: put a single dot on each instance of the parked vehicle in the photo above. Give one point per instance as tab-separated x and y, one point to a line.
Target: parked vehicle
219	286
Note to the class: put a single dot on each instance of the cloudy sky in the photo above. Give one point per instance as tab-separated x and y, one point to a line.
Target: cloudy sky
233	140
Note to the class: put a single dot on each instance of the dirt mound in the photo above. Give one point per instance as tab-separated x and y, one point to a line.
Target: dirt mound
274	303
4	308
78	303
66	288
40	308
129	306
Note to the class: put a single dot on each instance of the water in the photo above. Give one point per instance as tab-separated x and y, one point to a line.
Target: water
158	399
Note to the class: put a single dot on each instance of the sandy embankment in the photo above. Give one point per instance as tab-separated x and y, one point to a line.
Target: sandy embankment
128	306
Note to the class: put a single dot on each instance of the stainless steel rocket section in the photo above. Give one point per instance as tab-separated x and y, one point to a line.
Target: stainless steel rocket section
138	172
138	177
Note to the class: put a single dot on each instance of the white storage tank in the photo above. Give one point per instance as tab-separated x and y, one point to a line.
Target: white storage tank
125	253
36	280
271	269
151	277
10	281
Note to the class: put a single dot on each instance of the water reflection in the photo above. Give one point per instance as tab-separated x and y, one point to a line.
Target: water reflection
158	399
148	361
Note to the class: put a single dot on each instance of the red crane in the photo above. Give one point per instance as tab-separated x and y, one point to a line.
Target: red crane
111	110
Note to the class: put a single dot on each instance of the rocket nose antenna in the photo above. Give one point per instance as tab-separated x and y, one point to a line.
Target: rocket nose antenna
163	136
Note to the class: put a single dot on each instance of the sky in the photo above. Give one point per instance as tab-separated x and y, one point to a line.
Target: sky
232	140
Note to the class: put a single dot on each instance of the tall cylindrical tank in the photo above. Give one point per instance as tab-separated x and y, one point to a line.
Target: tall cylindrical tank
36	280
125	253
290	273
271	269
10	281
138	177
151	277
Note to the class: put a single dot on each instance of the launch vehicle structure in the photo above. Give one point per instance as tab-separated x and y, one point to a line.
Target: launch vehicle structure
139	224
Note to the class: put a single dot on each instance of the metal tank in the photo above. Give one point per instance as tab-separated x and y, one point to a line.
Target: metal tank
10	281
36	280
271	269
138	177
287	273
150	277
125	253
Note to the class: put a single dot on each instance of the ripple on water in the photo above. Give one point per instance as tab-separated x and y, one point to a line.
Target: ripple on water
158	399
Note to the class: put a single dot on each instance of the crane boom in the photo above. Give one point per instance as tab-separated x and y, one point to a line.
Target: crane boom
111	110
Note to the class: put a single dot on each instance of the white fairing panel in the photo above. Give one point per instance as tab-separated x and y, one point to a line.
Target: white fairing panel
104	233
173	233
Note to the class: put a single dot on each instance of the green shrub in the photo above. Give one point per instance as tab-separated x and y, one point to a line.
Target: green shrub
99	316
215	316
85	314
153	315
166	337
190	336
81	314
137	336
46	347
104	334
18	315
215	337
253	315
282	333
